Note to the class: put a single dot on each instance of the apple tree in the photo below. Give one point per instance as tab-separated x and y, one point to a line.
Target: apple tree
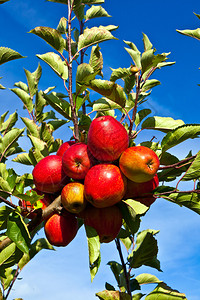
27	207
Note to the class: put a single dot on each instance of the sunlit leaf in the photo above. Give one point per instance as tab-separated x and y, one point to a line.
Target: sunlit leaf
192	33
164	292
135	55
141	115
96	11
4	213
193	171
25	97
96	59
149	84
164	124
105	104
113	295
60	105
7	54
119	73
23	158
33	80
146	278
9	123
147	44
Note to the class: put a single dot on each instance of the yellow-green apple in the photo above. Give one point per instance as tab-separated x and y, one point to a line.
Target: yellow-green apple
106	221
107	138
77	160
64	147
61	229
105	185
139	163
72	197
48	174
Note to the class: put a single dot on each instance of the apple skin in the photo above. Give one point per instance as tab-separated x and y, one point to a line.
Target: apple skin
61	229
72	197
139	163
135	189
64	147
107	138
105	185
106	221
48	174
77	160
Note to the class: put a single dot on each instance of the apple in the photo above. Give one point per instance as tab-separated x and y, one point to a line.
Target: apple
148	201
72	197
107	138
105	185
135	189
106	221
64	147
139	163
77	160
61	229
48	174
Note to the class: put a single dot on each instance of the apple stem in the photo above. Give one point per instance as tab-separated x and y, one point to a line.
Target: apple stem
127	279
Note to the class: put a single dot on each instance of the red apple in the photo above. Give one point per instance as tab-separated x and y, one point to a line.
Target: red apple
105	185
135	189
72	197
60	230
106	221
148	201
64	147
139	163
48	175
107	138
77	160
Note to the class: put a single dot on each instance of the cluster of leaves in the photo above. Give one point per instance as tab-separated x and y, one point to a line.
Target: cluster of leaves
120	96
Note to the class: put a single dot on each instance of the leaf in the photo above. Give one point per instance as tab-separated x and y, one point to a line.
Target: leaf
179	135
7	54
137	296
193	172
112	295
119	73
147	44
6	253
1	2
84	123
146	250
9	123
60	105
4	213
96	12
17	231
109	90
141	115
31	126
25	97
164	292
94	250
96	60
52	36
9	275
33	80
92	36
164	124
149	84
135	55
147	60
147	278
9	140
118	272
192	33
23	158
62	26
56	63
84	74
105	104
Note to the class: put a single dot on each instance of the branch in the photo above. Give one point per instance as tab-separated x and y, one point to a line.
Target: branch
8	202
177	165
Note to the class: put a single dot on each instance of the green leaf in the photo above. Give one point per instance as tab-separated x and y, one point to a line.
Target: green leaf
23	158
147	278
164	292
92	36
17	231
84	123
96	11
23	86
89	2
7	54
9	275
25	97
84	74
52	36
147	60
141	115
109	27
105	104
9	140
56	63
31	126
33	80
192	33
164	124
193	172
137	296
6	253
94	250
146	250
9	123
4	213
119	73
62	26
179	135
168	159
147	44
129	83
109	90
135	55
40	103
149	84
60	105
118	272
96	60
113	295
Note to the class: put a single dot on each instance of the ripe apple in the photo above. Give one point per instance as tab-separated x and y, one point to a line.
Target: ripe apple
139	163
48	175
144	189
77	160
107	138
106	221
146	200
72	197
64	147
61	229
105	185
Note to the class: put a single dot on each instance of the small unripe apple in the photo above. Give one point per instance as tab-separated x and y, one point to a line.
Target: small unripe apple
72	197
64	147
107	138
48	175
106	221
61	229
139	163
105	185
77	160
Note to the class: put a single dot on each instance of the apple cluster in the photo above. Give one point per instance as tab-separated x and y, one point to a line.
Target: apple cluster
93	178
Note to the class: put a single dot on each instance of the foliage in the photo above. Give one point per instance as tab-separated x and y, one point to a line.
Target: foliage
121	96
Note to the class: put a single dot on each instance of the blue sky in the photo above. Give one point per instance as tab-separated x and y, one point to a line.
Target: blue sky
65	273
